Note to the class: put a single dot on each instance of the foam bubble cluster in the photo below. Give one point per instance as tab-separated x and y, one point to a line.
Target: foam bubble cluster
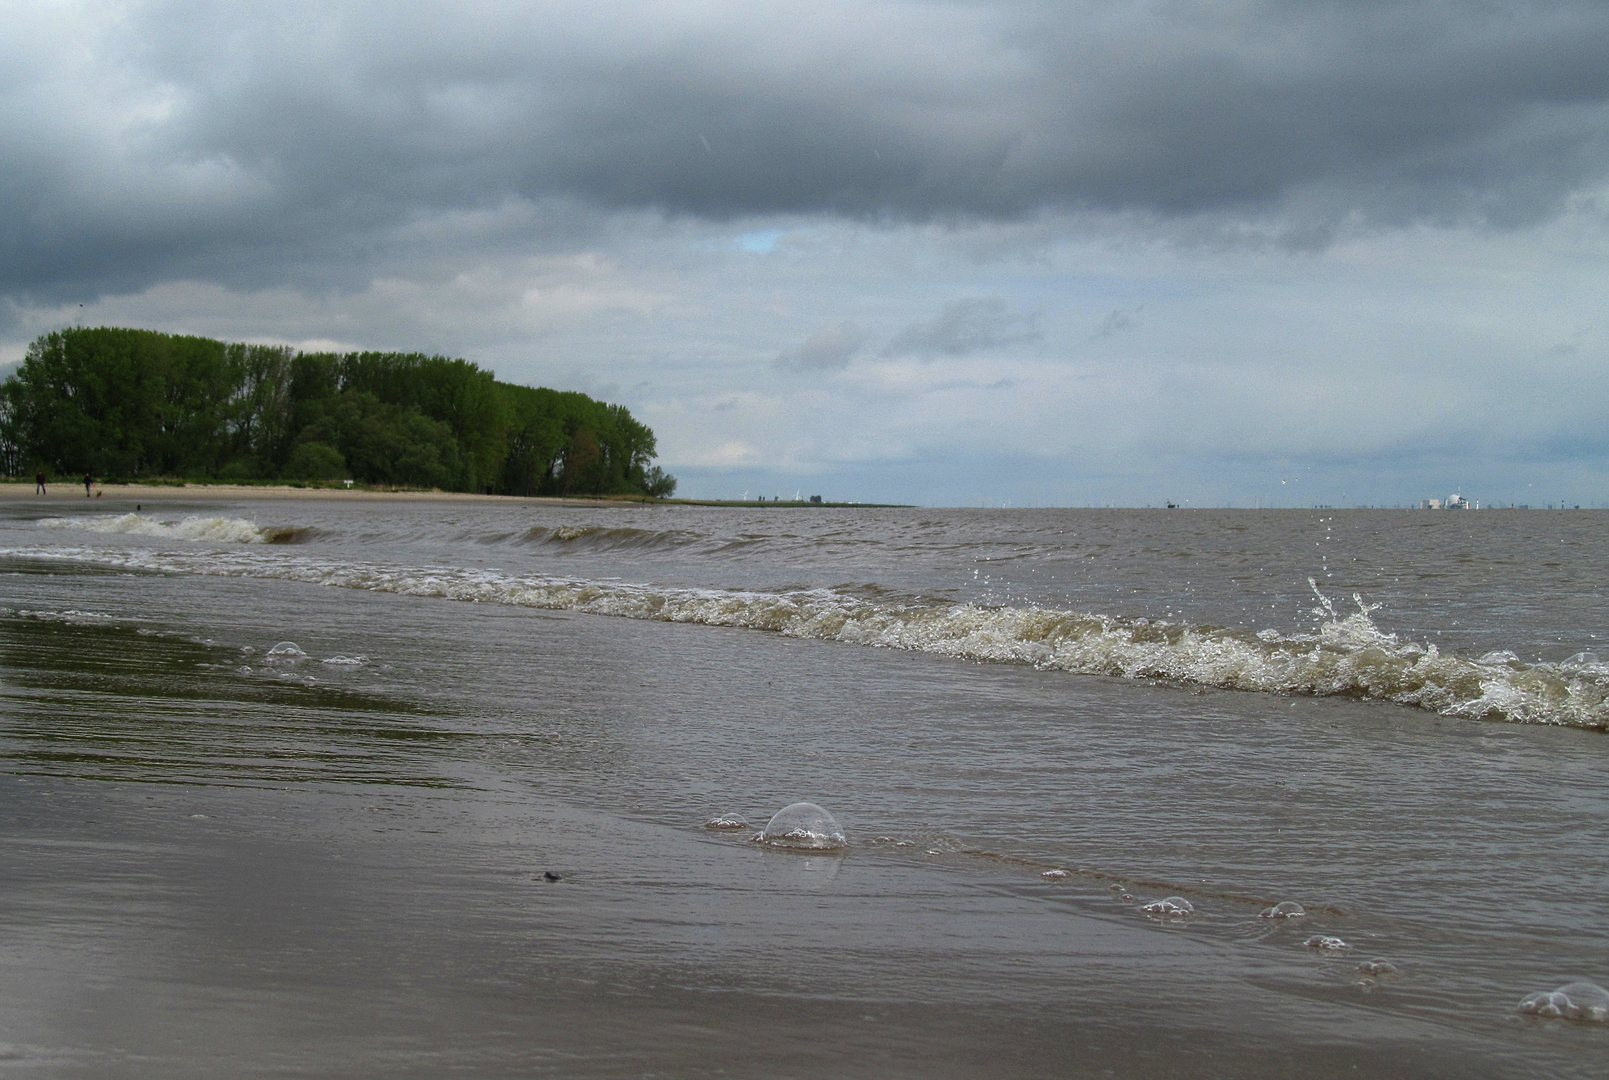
804	826
727	821
1581	1001
1285	909
1325	943
1171	908
286	652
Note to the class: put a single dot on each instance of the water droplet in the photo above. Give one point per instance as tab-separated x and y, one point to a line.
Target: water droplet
1285	909
1584	1001
804	826
1325	943
727	821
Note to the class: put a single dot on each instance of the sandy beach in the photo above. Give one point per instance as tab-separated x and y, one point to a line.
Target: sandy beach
66	490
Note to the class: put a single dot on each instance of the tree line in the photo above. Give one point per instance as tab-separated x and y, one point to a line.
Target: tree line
129	404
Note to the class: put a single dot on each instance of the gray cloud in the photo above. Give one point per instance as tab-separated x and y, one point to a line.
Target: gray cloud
828	349
965	326
1118	320
198	138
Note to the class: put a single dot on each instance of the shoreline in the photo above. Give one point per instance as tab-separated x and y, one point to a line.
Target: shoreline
65	491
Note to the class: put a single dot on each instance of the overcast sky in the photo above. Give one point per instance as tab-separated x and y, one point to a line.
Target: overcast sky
1275	253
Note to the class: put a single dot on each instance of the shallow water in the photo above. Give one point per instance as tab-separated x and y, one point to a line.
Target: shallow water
289	864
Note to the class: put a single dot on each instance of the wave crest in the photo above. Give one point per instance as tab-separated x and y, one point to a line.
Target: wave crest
223	530
1346	655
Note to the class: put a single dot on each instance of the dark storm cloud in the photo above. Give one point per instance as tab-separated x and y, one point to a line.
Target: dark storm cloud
236	141
964	327
828	349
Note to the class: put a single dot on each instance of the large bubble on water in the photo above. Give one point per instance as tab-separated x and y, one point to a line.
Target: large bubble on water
286	652
1172	908
1285	909
1582	1001
804	826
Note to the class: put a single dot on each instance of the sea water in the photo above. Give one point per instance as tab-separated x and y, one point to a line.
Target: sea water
412	787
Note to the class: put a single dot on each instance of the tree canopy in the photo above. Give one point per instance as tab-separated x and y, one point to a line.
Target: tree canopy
131	404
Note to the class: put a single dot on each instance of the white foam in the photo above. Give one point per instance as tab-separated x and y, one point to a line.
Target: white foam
1347	655
218	530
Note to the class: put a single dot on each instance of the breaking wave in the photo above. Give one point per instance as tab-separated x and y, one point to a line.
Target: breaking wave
1348	655
218	530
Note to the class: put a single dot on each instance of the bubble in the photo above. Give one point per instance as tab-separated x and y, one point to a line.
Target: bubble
1054	875
1285	909
804	826
1584	1001
727	821
346	661
1378	969
1171	907
1325	943
285	651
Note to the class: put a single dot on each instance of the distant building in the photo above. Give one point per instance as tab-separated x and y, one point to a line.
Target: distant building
1452	502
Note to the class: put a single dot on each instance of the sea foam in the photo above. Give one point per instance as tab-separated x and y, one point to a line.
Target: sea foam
222	530
1347	655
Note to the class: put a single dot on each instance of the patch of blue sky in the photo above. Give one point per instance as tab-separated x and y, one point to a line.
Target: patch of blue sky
762	242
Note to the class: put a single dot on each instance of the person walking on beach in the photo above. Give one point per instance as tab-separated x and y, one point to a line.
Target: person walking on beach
88	482
39	483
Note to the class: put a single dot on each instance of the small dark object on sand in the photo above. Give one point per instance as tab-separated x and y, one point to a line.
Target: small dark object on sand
548	875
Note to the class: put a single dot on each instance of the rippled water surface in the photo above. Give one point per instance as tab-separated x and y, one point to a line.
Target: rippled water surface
403	788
